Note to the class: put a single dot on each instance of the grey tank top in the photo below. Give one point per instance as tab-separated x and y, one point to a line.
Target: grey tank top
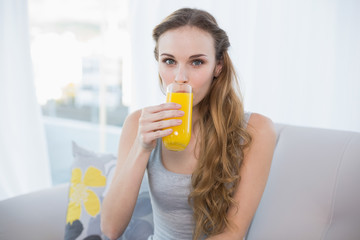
173	216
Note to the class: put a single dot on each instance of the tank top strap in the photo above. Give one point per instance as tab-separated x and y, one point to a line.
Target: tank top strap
246	118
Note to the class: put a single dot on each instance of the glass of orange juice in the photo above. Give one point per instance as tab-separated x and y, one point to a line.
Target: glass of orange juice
180	137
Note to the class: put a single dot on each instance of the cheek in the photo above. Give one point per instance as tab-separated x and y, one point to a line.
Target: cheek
202	80
201	84
166	76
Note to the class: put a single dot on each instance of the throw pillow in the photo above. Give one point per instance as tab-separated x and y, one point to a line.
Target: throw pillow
90	179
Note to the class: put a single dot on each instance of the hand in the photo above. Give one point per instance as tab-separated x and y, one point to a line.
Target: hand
154	119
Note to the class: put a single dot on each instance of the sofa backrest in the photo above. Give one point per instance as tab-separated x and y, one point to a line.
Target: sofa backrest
313	190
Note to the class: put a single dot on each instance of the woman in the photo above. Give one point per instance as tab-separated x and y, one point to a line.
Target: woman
212	188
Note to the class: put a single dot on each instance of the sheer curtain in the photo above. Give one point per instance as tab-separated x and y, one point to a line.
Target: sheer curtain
24	165
298	61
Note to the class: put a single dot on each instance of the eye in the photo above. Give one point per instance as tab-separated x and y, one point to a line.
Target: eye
197	62
169	61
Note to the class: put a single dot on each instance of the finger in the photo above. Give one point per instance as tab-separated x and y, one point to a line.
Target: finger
155	117
151	136
163	107
147	118
155	126
160	112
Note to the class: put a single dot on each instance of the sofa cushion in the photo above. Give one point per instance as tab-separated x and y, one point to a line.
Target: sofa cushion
312	191
91	176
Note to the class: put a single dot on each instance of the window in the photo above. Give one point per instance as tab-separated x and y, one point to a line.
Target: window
78	48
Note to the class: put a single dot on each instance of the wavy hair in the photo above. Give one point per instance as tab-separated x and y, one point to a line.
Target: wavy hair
222	134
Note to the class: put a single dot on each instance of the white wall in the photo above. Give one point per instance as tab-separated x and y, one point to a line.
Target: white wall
298	60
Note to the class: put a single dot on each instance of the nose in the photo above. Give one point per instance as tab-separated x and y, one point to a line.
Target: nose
181	75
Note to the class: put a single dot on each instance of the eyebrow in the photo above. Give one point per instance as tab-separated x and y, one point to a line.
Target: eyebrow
191	57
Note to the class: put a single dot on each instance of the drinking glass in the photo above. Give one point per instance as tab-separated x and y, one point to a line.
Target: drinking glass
180	93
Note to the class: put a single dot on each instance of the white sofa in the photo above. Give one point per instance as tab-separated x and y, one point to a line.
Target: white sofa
313	192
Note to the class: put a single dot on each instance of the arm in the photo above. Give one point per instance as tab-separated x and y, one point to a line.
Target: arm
138	138
119	202
254	174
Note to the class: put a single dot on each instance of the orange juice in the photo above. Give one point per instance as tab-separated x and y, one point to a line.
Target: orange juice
180	137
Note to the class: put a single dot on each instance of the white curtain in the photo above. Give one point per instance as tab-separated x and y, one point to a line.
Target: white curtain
298	61
24	165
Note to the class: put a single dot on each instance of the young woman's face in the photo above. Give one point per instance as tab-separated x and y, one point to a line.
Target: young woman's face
187	54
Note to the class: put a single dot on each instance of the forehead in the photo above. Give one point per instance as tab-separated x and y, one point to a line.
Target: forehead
186	40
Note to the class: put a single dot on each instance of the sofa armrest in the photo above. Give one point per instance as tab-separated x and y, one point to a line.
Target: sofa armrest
39	215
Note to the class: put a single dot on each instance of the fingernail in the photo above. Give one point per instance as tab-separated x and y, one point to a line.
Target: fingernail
178	105
178	121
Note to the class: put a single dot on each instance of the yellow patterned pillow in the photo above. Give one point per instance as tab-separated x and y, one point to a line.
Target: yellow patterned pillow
88	181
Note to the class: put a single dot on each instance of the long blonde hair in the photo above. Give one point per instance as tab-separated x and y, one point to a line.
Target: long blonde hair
222	135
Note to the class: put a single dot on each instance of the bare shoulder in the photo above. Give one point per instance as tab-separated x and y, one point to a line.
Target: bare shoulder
129	130
260	125
132	120
263	142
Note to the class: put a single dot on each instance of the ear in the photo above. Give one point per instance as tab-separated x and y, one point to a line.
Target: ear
218	68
